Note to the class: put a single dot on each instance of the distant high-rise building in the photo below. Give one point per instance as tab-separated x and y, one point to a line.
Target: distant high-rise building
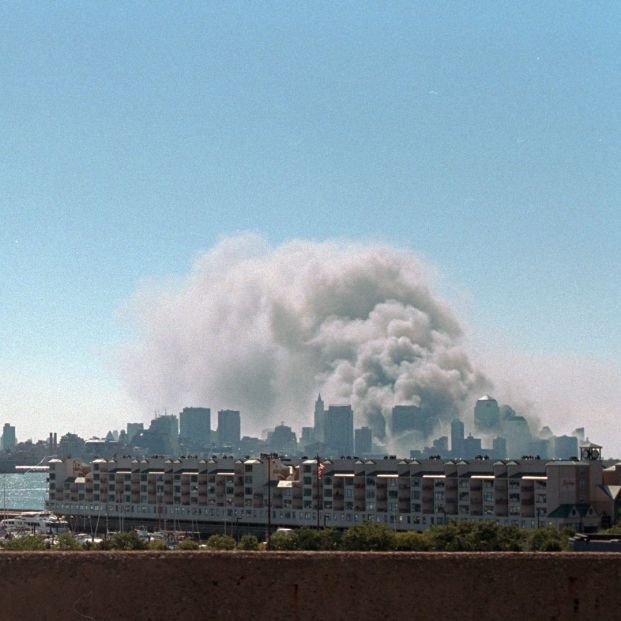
339	429
440	445
319	420
133	429
405	418
486	414
229	428
195	427
499	448
70	445
540	447
307	436
518	436
457	438
168	427
8	437
472	447
565	447
282	440
363	441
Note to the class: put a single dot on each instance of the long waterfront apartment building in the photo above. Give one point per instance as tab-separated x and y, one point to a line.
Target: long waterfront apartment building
406	494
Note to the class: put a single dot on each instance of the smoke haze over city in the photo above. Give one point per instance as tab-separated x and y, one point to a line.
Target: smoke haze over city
263	329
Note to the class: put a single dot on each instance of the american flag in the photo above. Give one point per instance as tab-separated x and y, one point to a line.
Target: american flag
320	469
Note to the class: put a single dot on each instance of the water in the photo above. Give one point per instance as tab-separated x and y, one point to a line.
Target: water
23	491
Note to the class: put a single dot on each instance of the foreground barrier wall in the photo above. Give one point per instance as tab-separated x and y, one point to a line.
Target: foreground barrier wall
307	586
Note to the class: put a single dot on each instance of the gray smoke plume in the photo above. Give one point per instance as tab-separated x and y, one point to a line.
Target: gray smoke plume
264	329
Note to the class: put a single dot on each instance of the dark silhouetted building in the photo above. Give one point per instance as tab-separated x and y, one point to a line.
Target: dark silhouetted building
8	437
319	420
363	441
457	438
195	427
486	415
229	428
339	429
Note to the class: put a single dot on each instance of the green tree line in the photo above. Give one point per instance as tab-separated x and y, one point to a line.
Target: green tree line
367	536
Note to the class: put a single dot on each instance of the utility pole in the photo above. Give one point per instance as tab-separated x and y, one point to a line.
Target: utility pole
317	490
268	456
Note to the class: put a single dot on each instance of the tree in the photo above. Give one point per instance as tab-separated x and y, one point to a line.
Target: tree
368	536
221	542
127	540
283	541
411	541
547	539
248	542
187	544
66	541
28	542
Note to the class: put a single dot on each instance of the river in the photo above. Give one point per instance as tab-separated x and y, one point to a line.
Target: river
23	491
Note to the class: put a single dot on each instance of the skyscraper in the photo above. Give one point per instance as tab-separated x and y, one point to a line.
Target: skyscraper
405	418
167	426
8	437
339	429
319	420
195	427
229	428
133	429
486	414
363	441
412	418
457	438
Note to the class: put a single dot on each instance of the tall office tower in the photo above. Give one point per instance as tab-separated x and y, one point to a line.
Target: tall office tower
339	429
565	447
499	448
412	418
167	426
405	418
195	427
307	436
486	414
363	441
8	437
133	429
518	436
457	438
283	440
472	447
440	445
229	428
579	434
319	420
70	445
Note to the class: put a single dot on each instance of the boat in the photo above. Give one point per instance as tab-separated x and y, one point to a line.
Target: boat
35	522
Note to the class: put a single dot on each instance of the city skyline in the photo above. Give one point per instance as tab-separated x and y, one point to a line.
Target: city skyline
499	433
480	143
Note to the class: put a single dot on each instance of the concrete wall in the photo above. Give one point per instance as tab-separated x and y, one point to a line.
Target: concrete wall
308	586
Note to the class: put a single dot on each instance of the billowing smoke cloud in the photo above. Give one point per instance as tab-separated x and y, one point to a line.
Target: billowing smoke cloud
263	329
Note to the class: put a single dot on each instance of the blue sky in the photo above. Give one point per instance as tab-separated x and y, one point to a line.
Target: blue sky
483	136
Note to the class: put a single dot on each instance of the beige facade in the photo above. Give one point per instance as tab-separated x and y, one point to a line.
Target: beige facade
405	494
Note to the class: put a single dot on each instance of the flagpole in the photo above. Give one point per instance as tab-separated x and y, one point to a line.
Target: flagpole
317	490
